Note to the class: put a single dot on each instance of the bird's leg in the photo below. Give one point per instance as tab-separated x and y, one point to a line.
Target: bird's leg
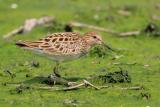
56	70
55	76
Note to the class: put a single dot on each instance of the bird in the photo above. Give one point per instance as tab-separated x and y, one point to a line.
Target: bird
63	46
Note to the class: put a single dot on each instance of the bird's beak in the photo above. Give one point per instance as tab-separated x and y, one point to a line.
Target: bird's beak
107	46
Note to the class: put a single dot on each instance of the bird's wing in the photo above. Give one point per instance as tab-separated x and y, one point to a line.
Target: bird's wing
56	44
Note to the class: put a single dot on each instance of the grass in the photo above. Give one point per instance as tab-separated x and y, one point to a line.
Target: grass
142	49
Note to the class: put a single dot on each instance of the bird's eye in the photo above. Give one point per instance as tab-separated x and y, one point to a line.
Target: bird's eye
94	37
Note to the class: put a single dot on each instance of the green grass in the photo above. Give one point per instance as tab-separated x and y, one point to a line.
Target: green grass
141	49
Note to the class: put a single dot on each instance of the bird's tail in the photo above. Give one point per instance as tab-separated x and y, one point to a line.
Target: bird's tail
28	44
22	44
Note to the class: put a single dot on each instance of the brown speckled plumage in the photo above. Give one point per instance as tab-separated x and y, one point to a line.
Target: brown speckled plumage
62	46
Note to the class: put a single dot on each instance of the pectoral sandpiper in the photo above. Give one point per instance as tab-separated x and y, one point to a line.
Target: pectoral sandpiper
63	46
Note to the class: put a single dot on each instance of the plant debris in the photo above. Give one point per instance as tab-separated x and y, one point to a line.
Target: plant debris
72	102
98	51
28	75
12	75
68	28
116	77
35	64
53	79
29	24
121	76
152	29
124	13
145	95
19	89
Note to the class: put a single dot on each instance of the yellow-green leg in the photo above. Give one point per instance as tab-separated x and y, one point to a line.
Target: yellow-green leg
56	70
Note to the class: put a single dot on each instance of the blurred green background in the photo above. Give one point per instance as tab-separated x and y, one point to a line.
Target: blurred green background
143	49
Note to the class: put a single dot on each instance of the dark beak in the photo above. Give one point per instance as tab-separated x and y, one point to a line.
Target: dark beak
108	47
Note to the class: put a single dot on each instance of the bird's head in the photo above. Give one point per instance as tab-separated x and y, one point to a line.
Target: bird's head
92	38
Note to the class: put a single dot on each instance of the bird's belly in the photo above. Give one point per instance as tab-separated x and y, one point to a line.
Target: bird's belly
57	57
61	58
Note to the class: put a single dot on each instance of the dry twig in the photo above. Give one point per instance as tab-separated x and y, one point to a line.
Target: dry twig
82	25
28	25
131	88
85	83
120	34
120	63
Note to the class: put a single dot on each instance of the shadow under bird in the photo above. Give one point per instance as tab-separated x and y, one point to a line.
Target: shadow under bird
63	46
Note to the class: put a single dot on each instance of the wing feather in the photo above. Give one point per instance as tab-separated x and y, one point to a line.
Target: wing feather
56	44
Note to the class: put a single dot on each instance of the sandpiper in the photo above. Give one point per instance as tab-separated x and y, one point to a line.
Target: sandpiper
63	46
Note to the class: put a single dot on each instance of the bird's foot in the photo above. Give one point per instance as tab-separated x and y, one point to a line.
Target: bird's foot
52	79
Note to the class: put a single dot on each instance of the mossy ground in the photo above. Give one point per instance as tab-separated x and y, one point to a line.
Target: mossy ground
144	50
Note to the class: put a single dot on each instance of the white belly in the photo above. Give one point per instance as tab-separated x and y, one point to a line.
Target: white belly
58	58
